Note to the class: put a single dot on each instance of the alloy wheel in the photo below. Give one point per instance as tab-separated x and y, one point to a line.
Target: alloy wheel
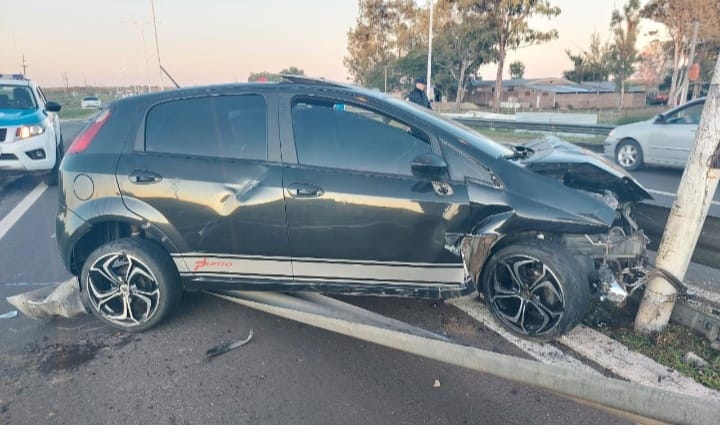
525	295
123	289
627	155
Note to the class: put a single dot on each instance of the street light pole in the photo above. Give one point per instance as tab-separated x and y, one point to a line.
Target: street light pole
428	88
157	45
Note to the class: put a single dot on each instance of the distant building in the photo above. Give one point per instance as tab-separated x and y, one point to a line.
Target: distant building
554	93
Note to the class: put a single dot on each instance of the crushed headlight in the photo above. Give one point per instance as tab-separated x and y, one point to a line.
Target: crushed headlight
610	199
26	131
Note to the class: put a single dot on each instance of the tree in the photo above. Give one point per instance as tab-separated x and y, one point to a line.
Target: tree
592	64
517	70
509	20
374	43
464	43
625	27
275	77
293	70
653	65
678	17
264	76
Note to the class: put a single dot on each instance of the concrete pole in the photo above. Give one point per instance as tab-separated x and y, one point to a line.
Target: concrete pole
428	88
687	216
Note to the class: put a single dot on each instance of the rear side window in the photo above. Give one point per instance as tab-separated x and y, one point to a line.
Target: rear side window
216	126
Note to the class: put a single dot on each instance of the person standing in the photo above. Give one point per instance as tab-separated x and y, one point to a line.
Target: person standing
418	96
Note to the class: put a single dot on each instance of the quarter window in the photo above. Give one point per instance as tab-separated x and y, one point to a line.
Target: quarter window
338	135
216	126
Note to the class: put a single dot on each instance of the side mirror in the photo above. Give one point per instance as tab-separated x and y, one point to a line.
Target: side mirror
53	106
660	119
430	166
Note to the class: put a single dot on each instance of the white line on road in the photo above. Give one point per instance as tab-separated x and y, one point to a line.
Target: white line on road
673	195
9	221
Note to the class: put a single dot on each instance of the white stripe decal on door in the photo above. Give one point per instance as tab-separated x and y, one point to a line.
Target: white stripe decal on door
320	269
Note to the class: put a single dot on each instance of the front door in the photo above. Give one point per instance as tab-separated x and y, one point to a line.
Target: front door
202	174
356	214
674	137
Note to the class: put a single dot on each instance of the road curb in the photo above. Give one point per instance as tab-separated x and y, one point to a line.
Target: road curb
597	348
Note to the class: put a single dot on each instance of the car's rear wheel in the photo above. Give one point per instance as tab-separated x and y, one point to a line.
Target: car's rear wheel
629	155
535	289
131	284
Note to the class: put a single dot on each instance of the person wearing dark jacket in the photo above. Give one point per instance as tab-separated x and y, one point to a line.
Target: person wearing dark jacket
417	95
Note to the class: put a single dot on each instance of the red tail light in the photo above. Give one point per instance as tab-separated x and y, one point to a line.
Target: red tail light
83	140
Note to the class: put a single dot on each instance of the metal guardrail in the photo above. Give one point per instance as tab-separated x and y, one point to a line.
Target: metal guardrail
598	130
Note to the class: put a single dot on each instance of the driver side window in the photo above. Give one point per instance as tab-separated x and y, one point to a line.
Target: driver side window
338	135
689	115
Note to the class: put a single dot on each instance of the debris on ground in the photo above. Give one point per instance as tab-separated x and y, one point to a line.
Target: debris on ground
695	360
9	315
436	384
224	347
61	300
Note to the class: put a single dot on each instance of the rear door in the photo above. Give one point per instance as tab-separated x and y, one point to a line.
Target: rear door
356	213
206	171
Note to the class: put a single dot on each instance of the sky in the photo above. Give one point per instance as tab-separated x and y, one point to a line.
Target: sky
99	42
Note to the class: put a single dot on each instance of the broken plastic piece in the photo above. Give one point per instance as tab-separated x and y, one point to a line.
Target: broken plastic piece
227	346
9	315
62	300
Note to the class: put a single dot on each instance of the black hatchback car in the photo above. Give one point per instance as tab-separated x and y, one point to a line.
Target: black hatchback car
307	185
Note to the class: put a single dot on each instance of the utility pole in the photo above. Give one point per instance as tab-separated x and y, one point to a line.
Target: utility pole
687	216
24	65
157	45
428	88
693	43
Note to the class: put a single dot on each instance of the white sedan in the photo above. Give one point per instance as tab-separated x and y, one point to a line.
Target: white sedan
91	102
665	140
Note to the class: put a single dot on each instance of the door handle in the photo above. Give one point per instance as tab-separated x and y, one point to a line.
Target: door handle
144	177
305	190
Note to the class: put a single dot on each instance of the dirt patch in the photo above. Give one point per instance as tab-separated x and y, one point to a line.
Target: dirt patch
58	357
459	325
71	356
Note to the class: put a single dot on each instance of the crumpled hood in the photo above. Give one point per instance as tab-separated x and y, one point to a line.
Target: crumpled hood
582	169
15	117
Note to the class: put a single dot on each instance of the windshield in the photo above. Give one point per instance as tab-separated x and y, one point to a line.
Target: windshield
16	97
463	132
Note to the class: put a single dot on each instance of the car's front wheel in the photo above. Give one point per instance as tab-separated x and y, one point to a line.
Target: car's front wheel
535	289
131	284
629	155
51	178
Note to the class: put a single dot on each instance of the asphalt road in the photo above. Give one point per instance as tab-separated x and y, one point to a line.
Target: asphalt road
663	183
82	372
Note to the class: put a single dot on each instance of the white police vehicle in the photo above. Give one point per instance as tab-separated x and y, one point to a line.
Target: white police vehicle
30	138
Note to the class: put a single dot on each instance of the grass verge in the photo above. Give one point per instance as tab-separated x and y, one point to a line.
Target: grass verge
512	136
69	113
667	347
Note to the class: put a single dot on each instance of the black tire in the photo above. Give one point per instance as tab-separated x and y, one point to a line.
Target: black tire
51	178
629	155
535	289
136	303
